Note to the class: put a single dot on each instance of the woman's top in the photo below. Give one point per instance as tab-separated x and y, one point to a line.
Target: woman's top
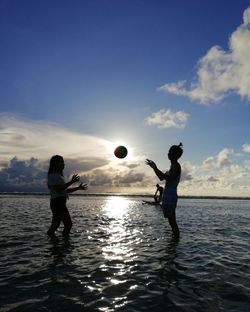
170	192
55	179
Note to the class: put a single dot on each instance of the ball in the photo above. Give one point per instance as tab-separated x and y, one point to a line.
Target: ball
121	151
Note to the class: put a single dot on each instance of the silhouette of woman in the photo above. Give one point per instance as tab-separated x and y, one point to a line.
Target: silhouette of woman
59	190
172	177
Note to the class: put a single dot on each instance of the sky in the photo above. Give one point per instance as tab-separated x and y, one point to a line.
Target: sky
78	78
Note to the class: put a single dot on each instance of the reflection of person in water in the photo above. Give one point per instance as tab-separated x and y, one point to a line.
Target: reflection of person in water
172	177
158	198
59	190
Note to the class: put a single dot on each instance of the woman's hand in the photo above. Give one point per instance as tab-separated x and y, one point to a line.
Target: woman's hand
83	187
75	178
150	163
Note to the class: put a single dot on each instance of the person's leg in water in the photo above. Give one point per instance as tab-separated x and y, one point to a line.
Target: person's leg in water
56	220
174	225
66	220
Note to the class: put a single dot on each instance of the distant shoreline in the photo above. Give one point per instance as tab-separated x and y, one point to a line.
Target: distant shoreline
125	195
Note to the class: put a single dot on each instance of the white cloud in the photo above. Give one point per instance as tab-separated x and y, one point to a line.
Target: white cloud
208	163
220	72
186	171
168	119
246	148
222	174
41	139
223	157
247	164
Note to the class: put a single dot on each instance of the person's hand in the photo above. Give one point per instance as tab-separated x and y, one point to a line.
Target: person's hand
83	186
75	178
150	163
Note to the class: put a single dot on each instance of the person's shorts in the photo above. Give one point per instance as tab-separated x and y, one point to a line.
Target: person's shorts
58	205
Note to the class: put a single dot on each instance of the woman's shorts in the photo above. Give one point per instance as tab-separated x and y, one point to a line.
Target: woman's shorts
58	205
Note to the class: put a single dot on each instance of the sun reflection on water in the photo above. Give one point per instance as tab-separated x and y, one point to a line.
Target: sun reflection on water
116	207
119	248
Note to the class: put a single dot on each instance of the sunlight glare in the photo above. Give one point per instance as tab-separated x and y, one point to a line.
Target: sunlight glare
116	206
116	209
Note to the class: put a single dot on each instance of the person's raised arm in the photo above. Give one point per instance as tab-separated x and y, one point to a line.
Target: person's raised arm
79	187
161	175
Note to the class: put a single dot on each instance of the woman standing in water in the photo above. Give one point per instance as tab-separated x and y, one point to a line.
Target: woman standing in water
59	190
172	177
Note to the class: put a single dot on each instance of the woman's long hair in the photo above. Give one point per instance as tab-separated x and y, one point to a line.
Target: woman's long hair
53	165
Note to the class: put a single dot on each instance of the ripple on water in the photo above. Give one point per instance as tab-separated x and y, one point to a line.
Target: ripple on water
120	257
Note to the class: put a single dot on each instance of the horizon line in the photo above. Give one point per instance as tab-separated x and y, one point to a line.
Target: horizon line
130	195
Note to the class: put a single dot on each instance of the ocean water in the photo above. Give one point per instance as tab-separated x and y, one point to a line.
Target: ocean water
120	256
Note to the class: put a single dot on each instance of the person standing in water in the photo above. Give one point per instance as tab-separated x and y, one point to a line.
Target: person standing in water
158	198
172	177
59	190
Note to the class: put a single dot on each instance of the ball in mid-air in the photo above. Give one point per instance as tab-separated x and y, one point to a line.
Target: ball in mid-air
121	151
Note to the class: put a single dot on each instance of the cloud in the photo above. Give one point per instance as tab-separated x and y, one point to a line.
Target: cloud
186	170
167	119
27	145
23	137
130	178
208	163
20	175
223	157
246	148
100	178
212	179
247	164
83	165
31	175
223	174
220	72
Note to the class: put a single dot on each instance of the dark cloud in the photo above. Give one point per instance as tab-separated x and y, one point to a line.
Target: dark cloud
100	179
132	166
129	165
83	165
20	175
31	175
212	179
129	178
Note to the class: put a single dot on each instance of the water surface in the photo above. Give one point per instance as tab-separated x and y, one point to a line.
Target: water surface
120	256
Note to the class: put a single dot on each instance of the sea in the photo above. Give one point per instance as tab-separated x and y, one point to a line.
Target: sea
120	256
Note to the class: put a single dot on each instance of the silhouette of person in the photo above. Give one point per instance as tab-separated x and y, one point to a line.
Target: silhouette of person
158	198
172	177
59	190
